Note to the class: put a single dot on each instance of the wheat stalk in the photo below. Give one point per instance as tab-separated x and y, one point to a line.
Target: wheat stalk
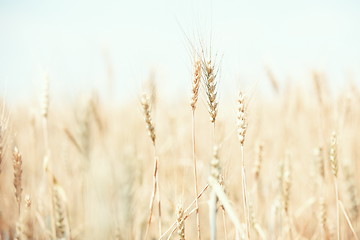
241	130
156	190
335	168
194	98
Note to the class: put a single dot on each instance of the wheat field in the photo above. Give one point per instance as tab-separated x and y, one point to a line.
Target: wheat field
268	166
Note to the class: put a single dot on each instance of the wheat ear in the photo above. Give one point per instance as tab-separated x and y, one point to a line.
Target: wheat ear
180	222
17	164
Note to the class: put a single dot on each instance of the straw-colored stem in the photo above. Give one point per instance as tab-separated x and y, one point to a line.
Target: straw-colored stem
195	175
224	222
246	210
213	202
337	208
155	192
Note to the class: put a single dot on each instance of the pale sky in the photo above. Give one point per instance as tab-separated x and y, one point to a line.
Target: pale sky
69	40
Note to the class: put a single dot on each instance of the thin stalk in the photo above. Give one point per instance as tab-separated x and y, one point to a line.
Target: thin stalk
337	208
246	210
195	175
156	192
224	221
212	214
212	202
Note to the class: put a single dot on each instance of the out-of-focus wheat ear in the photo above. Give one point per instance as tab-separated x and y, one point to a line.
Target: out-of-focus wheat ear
351	193
147	113
258	186
320	163
258	160
316	76
180	222
94	104
85	129
17	164
323	219
72	139
45	98
333	155
215	165
272	79
255	224
59	211
3	129
241	119
210	83
23	229
286	192
195	84
286	185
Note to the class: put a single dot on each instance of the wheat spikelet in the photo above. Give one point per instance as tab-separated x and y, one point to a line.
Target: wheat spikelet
333	154
147	113
17	164
180	222
241	119
195	84
210	83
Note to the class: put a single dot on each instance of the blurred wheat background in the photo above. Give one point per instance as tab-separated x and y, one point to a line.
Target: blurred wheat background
179	120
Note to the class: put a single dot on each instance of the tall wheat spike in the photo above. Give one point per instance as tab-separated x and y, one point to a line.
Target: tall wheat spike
193	101
335	168
241	130
156	189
